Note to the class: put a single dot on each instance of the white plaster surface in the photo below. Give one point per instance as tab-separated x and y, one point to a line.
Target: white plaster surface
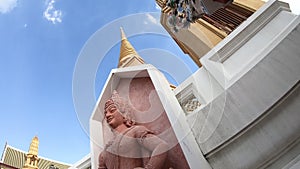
253	121
244	47
261	87
205	85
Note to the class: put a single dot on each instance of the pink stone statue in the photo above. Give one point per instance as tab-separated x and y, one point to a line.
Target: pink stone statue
133	146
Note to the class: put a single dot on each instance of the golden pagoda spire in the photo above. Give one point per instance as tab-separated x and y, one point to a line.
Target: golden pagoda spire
123	36
34	146
127	52
32	156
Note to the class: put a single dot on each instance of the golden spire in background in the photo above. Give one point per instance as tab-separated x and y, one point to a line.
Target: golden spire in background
34	146
127	52
31	160
128	55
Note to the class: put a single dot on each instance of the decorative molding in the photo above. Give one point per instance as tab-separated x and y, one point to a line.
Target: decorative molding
253	123
248	29
188	99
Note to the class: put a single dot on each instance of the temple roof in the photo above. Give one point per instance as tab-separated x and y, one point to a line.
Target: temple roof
16	158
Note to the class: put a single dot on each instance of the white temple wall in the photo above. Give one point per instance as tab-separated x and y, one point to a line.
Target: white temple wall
254	121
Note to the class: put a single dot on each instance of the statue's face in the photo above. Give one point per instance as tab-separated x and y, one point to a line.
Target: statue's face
113	116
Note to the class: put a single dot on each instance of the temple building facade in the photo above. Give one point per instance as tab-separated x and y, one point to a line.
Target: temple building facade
207	31
239	110
13	158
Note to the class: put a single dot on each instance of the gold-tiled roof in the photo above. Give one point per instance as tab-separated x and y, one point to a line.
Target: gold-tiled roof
13	157
16	158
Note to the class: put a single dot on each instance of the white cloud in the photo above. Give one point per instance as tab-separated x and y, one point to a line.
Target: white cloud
51	14
152	19
7	5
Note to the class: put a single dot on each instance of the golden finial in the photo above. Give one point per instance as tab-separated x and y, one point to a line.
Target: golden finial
127	51
123	36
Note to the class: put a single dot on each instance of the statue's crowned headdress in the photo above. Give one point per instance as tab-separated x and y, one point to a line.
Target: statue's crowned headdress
122	105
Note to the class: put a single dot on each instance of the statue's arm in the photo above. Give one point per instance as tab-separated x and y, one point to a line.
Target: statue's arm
101	161
157	146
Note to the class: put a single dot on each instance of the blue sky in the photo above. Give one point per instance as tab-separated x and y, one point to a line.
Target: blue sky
40	42
40	45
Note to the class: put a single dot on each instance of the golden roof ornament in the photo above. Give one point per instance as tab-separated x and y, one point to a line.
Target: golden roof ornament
31	159
127	51
34	146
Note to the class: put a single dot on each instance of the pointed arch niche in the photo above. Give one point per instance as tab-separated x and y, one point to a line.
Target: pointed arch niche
146	88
